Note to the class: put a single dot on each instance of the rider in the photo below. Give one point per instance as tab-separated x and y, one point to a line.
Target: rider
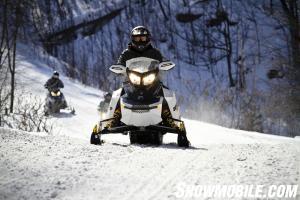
103	106
140	46
54	83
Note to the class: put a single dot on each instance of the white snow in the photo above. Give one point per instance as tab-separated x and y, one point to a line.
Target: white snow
64	165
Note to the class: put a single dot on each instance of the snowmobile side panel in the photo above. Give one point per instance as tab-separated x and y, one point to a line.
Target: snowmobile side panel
172	103
113	103
106	117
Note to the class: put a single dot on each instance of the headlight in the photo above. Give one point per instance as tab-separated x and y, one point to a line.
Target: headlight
135	79
147	80
55	94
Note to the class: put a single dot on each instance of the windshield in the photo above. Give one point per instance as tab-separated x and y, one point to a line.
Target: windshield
142	64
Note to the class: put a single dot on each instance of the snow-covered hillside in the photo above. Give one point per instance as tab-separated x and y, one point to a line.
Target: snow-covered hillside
33	74
65	166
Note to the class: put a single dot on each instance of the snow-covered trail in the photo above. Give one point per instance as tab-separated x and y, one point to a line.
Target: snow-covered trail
61	167
65	166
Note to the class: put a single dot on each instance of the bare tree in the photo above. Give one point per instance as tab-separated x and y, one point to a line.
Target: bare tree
29	115
286	64
222	24
13	12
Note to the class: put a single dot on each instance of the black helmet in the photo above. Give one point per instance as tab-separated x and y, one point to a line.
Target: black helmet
140	37
55	74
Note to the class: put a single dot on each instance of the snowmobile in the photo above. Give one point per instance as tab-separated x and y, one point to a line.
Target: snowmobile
103	105
55	101
143	107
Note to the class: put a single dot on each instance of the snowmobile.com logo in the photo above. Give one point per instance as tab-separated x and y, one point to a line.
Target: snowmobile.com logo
184	190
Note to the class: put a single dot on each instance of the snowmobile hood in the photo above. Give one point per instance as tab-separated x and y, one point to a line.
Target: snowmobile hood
142	64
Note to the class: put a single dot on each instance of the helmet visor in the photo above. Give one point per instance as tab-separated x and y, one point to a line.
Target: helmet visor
140	38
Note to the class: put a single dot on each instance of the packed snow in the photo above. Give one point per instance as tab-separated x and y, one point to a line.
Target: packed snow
63	165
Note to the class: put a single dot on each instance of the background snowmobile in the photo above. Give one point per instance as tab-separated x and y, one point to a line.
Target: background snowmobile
143	108
55	101
104	105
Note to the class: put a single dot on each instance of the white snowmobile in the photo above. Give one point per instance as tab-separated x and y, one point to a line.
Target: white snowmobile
143	108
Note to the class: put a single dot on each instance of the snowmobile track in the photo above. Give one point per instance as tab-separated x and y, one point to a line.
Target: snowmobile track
173	178
175	169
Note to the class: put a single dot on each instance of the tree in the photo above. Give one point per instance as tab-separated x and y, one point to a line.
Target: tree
286	14
13	15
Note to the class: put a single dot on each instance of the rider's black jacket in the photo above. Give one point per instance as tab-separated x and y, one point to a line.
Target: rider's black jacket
54	83
131	52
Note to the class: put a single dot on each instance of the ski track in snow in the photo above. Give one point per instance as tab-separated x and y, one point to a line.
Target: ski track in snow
65	166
